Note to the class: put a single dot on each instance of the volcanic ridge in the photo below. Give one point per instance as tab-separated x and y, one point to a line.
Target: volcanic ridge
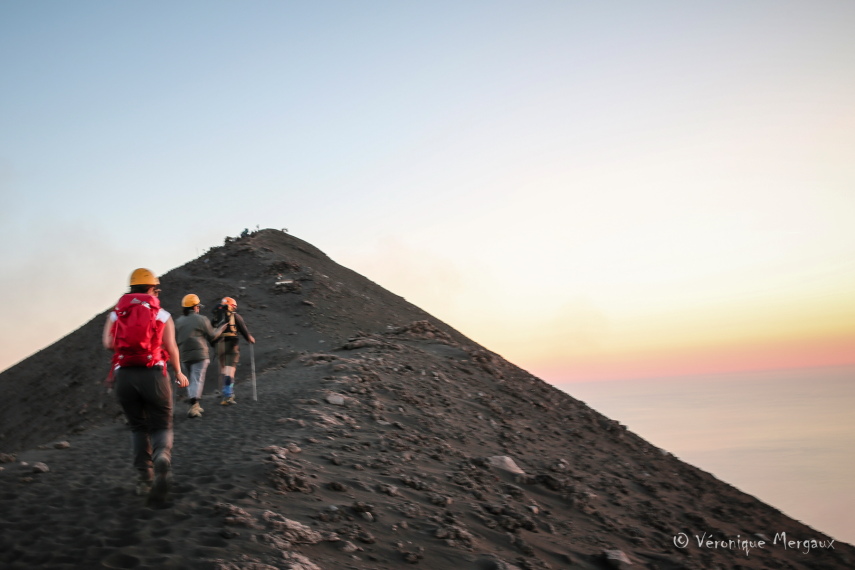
381	438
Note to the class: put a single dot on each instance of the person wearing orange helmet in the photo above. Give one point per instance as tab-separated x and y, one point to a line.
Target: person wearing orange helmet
142	337
193	332
228	350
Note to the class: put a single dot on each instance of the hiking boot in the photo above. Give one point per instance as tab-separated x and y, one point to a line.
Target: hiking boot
162	475
195	411
228	401
143	487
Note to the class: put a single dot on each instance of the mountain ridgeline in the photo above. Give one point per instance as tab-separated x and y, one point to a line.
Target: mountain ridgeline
381	437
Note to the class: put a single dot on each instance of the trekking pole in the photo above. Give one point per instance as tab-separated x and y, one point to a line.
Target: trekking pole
252	362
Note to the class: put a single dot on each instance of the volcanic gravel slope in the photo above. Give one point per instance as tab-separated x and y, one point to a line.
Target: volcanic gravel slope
381	438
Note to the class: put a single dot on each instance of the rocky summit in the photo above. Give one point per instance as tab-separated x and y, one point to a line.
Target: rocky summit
381	438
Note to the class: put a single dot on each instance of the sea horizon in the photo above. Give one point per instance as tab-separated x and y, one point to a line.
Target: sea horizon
784	436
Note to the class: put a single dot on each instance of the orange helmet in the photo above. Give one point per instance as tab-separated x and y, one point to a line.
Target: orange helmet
230	302
143	276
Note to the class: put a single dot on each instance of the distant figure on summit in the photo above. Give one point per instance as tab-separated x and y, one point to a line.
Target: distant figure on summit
142	337
194	332
228	351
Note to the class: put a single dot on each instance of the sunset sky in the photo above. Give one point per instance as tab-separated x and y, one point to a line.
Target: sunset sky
592	190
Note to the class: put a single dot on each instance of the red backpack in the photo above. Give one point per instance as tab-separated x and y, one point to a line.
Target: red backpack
137	334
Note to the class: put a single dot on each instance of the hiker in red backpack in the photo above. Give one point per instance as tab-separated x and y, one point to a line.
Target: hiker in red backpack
142	337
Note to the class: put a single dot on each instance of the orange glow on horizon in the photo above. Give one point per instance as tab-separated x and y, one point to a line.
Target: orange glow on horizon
801	353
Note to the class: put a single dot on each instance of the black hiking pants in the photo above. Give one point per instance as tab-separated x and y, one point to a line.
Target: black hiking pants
145	395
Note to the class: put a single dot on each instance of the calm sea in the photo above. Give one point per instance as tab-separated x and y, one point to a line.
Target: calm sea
786	437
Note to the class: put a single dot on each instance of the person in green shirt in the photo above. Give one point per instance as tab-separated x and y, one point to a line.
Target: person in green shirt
194	332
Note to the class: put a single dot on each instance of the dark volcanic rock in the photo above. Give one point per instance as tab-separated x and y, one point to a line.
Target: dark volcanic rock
381	438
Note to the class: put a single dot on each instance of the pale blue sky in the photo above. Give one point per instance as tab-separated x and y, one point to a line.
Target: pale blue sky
620	159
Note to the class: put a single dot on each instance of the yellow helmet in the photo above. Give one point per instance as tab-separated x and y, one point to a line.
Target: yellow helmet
190	300
230	302
143	276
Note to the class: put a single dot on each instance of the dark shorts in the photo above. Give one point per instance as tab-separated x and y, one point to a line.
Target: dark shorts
228	351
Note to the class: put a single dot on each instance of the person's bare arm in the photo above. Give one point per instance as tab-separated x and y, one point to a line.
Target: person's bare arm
172	350
107	336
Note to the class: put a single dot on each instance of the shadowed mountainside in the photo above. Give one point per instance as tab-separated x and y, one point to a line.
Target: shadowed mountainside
381	437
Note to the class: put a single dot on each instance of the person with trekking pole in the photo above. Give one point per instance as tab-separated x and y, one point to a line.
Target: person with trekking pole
228	351
142	337
193	332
